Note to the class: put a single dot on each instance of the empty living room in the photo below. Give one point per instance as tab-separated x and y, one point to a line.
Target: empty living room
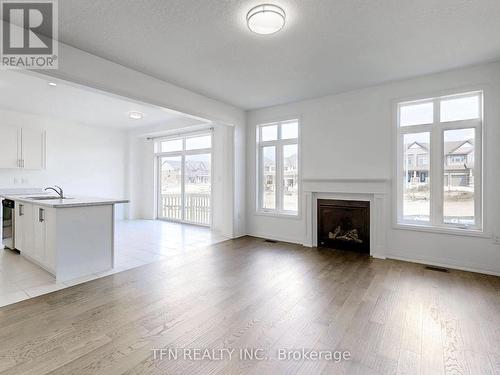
250	187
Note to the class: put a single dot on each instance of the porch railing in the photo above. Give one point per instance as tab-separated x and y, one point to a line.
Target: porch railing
197	207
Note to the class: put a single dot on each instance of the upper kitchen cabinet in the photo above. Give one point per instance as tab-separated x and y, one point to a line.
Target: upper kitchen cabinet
22	148
10	137
32	148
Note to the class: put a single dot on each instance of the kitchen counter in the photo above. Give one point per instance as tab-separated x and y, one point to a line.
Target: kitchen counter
70	238
63	203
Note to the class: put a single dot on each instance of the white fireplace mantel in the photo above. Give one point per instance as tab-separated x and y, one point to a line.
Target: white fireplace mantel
373	190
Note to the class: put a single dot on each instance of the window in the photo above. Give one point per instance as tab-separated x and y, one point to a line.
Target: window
195	143
423	160
439	162
171	146
278	167
184	178
416	113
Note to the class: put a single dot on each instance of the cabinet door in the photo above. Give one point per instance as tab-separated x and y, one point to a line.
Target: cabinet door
19	226
10	154
33	148
39	233
28	229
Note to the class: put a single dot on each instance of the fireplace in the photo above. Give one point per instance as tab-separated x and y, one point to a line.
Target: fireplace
344	224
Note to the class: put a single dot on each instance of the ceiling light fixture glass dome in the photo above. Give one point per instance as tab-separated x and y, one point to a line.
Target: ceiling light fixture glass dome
266	19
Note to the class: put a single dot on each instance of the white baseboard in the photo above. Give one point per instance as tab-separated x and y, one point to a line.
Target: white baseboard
235	237
428	261
277	238
443	263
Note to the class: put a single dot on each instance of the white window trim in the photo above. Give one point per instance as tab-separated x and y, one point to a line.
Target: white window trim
279	143
436	131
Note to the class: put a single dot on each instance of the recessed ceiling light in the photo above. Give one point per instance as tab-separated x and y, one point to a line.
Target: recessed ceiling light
266	19
134	115
53	84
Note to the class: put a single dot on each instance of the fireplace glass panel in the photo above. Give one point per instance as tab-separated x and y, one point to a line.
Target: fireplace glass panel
344	224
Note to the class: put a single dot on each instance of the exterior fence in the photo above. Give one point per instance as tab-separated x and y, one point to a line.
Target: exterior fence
197	207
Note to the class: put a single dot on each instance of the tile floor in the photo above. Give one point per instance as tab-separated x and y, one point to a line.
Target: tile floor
137	242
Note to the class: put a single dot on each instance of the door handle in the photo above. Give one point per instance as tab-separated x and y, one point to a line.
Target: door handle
41	215
21	211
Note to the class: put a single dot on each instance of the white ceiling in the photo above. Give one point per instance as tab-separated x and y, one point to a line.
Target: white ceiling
32	94
327	46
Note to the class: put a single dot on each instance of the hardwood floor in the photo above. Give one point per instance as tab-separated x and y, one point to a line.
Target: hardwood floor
391	316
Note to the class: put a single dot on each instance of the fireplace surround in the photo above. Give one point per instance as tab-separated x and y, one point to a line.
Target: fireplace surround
371	190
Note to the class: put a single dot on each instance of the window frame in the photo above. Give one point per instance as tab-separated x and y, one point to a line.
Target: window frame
437	159
279	145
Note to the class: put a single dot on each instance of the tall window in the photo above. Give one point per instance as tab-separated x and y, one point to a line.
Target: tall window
184	178
439	161
278	167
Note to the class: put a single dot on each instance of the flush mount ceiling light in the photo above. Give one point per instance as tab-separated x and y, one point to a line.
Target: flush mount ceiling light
134	115
53	84
266	19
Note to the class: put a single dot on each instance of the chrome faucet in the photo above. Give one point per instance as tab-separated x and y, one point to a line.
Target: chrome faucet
59	192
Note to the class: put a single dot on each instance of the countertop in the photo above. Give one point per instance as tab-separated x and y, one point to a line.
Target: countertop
75	201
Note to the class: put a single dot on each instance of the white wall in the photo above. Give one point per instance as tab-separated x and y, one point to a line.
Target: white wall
222	181
84	160
351	136
84	68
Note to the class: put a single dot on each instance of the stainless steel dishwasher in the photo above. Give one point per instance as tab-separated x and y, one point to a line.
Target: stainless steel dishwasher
8	218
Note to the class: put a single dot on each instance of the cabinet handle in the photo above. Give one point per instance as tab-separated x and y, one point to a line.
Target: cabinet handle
21	211
41	215
22	162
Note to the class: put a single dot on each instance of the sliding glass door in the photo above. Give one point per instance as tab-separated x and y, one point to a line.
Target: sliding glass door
197	170
170	190
184	179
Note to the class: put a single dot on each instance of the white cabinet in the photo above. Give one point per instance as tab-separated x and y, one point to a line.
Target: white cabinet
32	148
69	242
34	233
39	233
11	138
24	227
22	148
19	227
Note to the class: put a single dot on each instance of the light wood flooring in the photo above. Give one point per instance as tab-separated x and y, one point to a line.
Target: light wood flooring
137	242
393	317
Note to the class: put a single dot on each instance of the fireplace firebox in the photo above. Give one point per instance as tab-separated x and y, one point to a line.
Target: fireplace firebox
344	224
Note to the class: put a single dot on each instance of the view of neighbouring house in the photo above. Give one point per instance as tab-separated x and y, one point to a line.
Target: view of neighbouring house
458	168
197	174
290	179
458	177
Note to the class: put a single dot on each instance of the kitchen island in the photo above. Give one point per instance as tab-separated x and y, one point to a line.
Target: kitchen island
69	237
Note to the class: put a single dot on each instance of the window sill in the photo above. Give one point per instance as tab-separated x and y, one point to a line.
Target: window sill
280	215
443	230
